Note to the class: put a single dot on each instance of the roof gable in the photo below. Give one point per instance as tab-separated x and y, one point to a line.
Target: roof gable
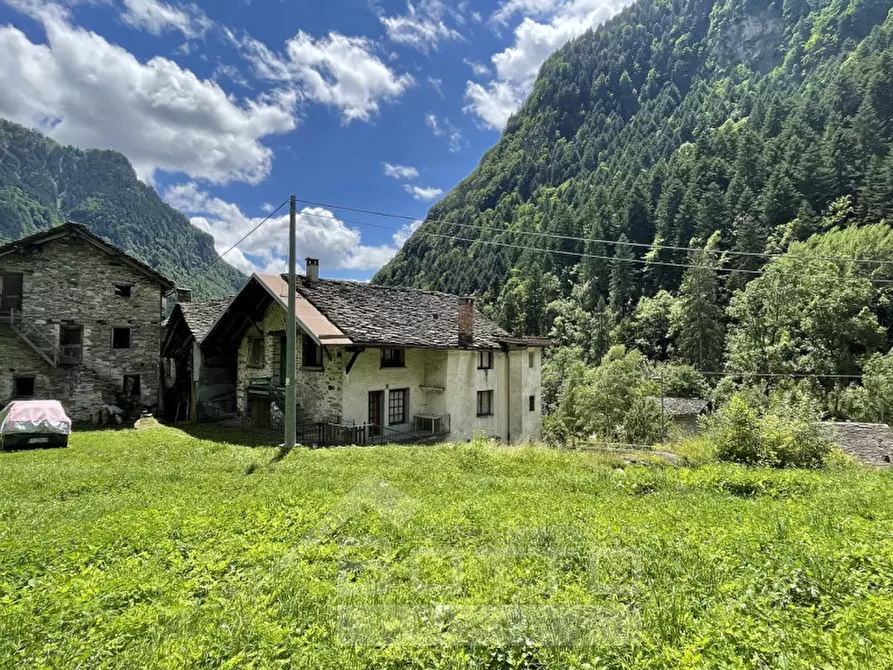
84	233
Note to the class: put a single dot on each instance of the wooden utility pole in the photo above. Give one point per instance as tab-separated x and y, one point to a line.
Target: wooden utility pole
291	408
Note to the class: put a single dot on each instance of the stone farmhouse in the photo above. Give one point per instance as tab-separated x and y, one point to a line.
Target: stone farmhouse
80	322
378	362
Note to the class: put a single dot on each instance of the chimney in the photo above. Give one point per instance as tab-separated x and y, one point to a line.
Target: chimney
466	322
184	295
312	269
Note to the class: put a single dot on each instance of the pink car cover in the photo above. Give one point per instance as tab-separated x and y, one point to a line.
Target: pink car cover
45	417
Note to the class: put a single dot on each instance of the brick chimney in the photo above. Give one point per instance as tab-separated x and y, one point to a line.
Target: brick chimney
466	322
312	269
184	295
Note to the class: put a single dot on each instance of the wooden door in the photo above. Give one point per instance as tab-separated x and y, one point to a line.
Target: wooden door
376	406
260	413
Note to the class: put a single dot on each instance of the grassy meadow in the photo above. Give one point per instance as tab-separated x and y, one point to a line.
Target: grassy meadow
162	549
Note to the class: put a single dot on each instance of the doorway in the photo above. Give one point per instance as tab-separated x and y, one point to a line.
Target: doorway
376	405
260	413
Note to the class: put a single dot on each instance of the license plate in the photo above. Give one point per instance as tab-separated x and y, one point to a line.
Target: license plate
39	440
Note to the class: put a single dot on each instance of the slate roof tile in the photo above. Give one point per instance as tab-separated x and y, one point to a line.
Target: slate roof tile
397	316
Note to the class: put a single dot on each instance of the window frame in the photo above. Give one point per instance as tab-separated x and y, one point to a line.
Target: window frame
123	290
485	398
488	363
309	344
15	385
253	361
393	357
403	395
79	358
129	338
531	403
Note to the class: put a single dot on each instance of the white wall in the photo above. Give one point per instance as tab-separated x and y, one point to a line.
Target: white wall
424	372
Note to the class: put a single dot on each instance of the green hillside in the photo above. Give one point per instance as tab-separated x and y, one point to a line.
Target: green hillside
43	184
766	121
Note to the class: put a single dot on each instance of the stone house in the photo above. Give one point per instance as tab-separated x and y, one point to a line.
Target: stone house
394	361
80	322
197	384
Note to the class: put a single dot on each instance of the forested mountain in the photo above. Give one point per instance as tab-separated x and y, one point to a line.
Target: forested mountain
43	184
730	125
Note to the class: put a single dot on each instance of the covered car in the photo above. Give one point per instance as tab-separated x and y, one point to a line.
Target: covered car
34	423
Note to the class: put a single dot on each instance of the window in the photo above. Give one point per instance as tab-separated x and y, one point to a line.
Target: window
311	353
122	290
256	354
120	338
531	359
485	360
131	386
10	292
532	403
393	358
397	401
71	344
485	403
24	387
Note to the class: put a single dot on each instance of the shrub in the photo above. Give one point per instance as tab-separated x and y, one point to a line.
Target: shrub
778	438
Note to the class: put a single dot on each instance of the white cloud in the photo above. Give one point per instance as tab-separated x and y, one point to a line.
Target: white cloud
437	85
477	69
493	102
335	70
432	122
319	234
423	192
157	17
267	207
83	90
443	127
400	171
546	26
406	232
422	27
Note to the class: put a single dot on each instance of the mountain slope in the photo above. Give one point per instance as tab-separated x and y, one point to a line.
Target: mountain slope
43	184
674	120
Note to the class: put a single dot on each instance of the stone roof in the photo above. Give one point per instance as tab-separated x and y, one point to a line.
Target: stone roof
85	233
871	443
682	406
200	316
397	316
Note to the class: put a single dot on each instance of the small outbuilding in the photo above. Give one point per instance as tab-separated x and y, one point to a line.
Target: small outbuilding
195	380
870	443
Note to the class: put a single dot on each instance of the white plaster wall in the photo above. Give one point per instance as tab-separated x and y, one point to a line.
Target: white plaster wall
424	368
463	382
531	385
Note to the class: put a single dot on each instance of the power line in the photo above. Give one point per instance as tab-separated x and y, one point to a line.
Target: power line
644	245
219	258
575	254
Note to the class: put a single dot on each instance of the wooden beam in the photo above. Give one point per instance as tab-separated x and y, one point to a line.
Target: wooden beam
353	359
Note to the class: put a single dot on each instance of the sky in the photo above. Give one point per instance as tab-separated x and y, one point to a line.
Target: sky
227	107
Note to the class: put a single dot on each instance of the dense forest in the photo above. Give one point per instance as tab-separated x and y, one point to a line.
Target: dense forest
684	181
43	184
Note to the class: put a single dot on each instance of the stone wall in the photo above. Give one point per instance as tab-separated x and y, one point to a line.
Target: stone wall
69	281
319	391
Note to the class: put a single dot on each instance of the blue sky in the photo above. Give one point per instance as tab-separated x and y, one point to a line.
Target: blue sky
228	106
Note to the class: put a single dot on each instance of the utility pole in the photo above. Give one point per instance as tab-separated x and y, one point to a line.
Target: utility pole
291	409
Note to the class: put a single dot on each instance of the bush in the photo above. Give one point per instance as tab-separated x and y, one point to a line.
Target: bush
776	438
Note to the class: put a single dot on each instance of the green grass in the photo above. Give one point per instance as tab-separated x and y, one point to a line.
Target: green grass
155	548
